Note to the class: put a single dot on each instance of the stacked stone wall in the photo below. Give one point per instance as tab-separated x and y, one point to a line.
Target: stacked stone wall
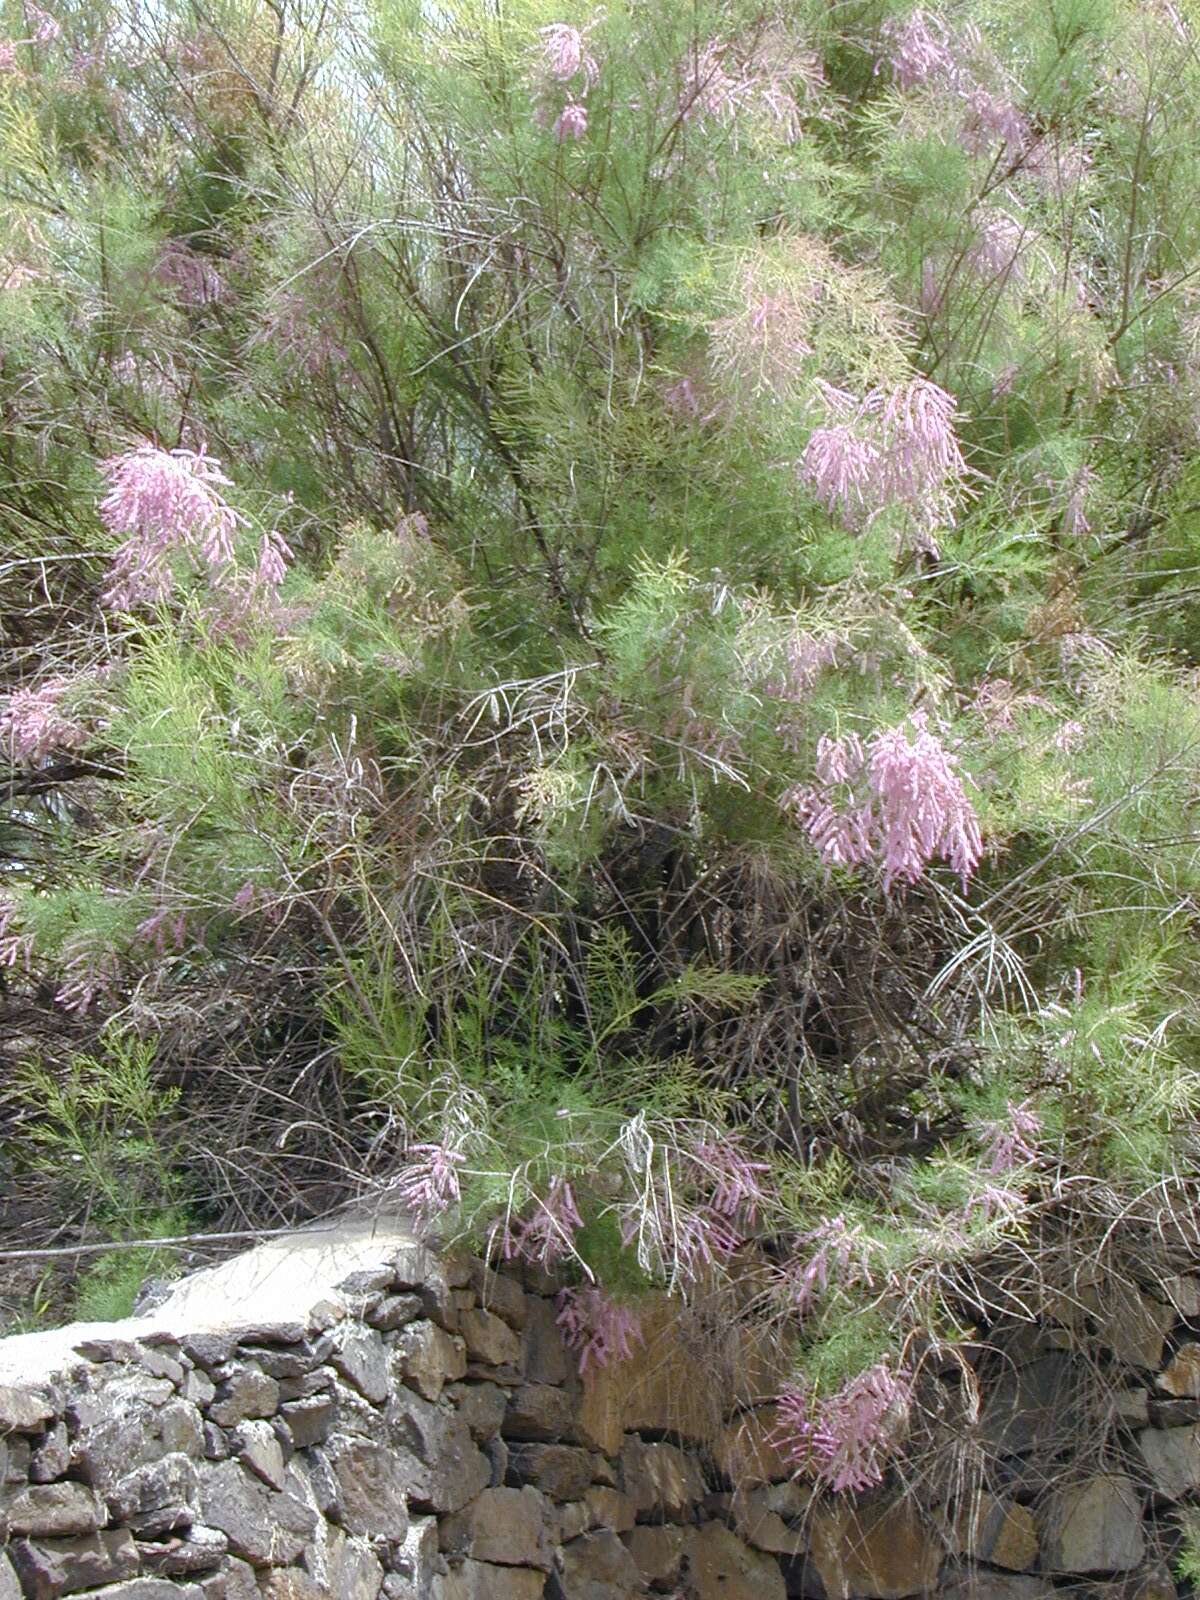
419	1432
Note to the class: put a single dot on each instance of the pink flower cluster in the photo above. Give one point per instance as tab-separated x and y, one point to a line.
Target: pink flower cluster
548	1236
720	80
895	447
33	722
164	501
168	501
14	947
733	1177
429	1183
827	1253
898	802
921	50
1013	1141
598	1328
189	276
567	62
846	1439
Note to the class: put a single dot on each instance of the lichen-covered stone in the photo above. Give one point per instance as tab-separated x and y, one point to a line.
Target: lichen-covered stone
360	1357
373	1485
264	1528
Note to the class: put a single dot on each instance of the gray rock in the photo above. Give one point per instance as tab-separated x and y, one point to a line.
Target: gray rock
394	1311
661	1480
157	1498
490	1341
208	1350
198	1388
983	1585
427	1357
181	1429
309	1420
10	1589
481	1406
446	1467
562	1471
1172	1456
291	1583
373	1487
539	1412
1095	1526
247	1394
262	1527
57	1509
609	1508
657	1554
1181	1378
51	1458
24	1410
599	1567
498	1293
60	1566
146	1589
544	1356
475	1580
199	1551
347	1567
360	1357
235	1581
256	1447
292	1361
418	1559
506	1527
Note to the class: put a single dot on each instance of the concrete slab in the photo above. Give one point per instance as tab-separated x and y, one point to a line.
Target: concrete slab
280	1280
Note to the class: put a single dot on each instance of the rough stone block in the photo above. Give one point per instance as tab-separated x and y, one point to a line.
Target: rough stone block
722	1567
24	1410
498	1293
481	1406
373	1485
475	1580
1181	1377
362	1360
561	1471
489	1339
661	1480
505	1527
1172	1456
873	1550
609	1508
999	1532
1094	1526
427	1358
539	1412
199	1550
599	1567
657	1554
54	1567
257	1447
247	1394
544	1354
56	1509
263	1528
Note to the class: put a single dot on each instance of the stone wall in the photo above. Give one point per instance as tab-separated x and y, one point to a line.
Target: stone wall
414	1428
